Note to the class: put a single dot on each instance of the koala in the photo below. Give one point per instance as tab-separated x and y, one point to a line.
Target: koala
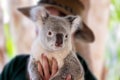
54	39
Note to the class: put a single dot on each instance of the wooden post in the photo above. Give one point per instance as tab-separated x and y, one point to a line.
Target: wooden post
2	41
96	15
22	28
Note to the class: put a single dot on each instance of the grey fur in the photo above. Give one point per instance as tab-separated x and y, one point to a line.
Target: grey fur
47	41
71	66
33	70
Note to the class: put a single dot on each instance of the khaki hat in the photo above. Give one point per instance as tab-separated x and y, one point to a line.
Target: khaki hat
74	7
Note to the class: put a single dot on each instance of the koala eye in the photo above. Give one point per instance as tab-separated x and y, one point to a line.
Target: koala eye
66	36
49	33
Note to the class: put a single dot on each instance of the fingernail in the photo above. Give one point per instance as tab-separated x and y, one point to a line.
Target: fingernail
53	59
45	56
69	77
42	54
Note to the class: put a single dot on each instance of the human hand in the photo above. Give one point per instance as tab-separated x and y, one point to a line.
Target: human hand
68	77
46	71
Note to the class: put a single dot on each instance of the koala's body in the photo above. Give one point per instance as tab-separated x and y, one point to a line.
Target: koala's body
54	39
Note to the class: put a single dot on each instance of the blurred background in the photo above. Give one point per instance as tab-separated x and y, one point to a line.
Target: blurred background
14	38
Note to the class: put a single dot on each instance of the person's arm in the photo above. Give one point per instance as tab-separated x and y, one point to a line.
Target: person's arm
5	73
15	69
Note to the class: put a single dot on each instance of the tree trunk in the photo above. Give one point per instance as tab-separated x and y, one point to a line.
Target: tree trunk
22	28
2	41
96	15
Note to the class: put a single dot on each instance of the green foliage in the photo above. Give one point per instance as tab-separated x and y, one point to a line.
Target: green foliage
113	44
115	12
9	42
118	50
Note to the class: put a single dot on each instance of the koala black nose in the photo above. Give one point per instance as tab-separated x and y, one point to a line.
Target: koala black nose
59	39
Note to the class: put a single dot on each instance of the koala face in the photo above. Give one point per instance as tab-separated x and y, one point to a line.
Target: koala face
55	33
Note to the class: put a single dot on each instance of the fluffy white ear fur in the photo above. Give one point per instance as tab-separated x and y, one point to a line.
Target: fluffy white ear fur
38	13
83	31
76	23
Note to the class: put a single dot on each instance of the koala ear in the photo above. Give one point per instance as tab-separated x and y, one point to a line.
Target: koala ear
79	29
84	33
71	18
35	13
39	13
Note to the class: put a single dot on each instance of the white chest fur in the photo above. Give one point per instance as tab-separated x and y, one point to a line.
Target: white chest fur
59	55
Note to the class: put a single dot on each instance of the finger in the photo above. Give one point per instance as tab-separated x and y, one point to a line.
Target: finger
68	77
54	66
40	69
45	67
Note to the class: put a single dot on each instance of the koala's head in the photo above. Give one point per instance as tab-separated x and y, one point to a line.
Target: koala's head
56	33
